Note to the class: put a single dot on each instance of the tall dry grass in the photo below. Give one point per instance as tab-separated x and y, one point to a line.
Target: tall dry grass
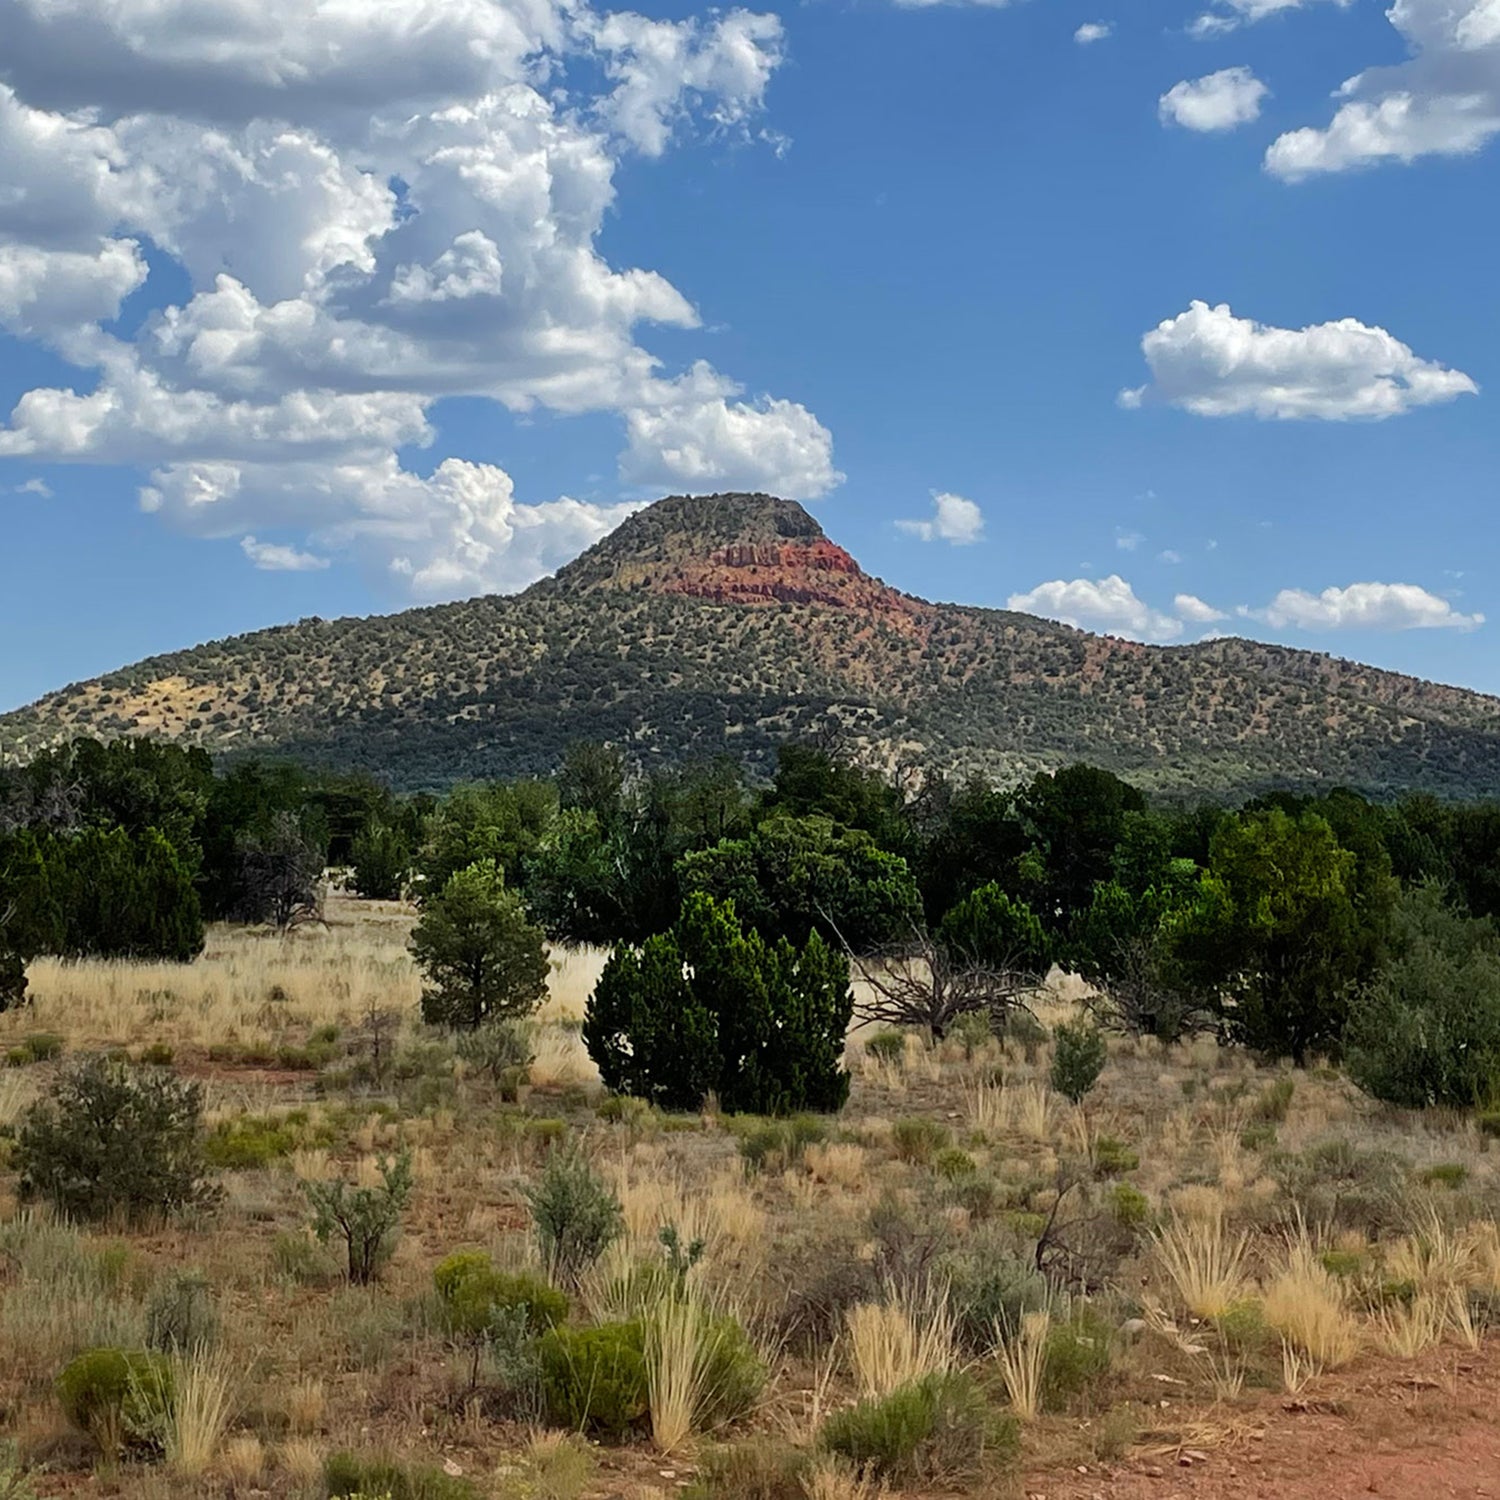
1022	1356
910	1334
1309	1307
1204	1262
203	1398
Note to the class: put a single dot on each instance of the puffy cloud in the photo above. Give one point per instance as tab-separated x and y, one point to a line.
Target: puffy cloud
1365	606
375	207
1105	604
1221	101
1128	541
954	519
1214	364
1235	13
274	557
1443	101
1193	609
1093	31
45	293
694	437
458	530
661	65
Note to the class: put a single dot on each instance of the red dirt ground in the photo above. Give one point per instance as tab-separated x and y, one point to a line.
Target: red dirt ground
1421	1430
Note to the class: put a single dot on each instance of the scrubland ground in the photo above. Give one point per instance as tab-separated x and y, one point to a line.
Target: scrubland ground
1251	1282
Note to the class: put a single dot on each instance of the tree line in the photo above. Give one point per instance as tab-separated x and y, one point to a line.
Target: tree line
1295	925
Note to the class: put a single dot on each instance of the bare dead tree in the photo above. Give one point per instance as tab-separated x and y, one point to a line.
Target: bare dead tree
280	876
920	983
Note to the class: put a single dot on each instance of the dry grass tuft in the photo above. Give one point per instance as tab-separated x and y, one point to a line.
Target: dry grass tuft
203	1386
909	1335
1308	1307
1022	1356
1204	1263
1407	1329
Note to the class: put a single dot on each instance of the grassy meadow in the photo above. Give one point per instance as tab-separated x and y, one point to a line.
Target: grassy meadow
1125	1275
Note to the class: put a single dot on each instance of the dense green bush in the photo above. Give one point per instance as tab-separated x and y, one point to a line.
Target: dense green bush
936	1429
712	1008
366	1219
381	859
108	1141
793	877
119	1397
594	1379
575	1215
480	956
1426	1031
1079	1058
473	1293
732	1372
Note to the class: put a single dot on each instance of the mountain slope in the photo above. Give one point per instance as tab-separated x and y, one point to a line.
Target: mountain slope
724	623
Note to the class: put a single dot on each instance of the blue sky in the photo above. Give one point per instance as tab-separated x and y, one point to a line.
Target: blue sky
360	311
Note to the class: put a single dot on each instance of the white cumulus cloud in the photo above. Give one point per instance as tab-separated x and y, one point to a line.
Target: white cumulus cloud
1214	364
954	519
691	434
275	557
1221	101
1444	100
372	208
1093	31
1232	14
1195	611
1365	606
1107	604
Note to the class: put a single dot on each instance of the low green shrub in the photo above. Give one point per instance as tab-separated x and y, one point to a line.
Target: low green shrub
733	1373
887	1046
1344	1186
594	1379
109	1141
918	1139
1129	1205
937	1429
366	1219
473	1293
775	1144
301	1259
575	1215
157	1055
1274	1101
41	1046
1079	1058
347	1475
758	1469
118	1397
1450	1174
954	1164
1077	1358
1242	1325
989	1289
1113	1157
246	1142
